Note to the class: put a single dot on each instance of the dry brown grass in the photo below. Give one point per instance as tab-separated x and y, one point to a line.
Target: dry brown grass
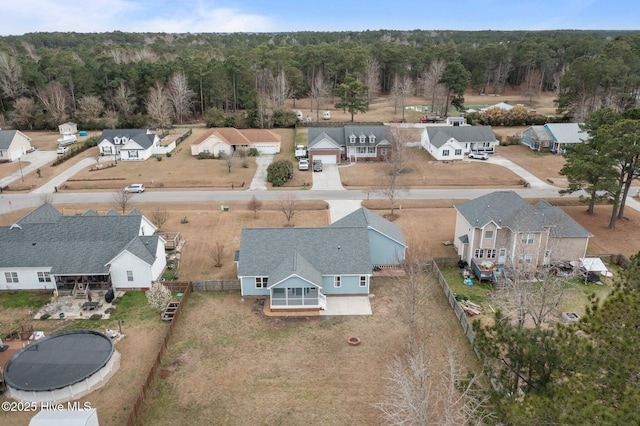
424	172
543	165
230	365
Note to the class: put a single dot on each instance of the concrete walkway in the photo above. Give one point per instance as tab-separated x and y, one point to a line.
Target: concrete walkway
341	208
259	181
534	182
35	159
62	177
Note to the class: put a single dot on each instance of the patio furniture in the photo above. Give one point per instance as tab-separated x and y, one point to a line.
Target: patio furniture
89	306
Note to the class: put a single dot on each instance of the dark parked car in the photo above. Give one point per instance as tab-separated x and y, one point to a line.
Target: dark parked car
317	165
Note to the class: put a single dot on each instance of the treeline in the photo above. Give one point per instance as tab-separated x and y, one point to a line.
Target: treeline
132	79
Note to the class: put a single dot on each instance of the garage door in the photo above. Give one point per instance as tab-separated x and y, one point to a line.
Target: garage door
267	149
326	159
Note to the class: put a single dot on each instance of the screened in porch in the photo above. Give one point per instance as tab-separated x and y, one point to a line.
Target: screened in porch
296	297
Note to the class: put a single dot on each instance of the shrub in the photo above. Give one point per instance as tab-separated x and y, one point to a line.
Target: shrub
45	316
158	295
253	152
95	317
169	154
205	156
279	172
159	157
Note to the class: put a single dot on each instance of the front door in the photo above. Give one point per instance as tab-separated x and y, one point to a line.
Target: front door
502	256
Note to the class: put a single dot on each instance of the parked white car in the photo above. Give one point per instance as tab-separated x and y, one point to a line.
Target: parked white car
62	150
479	155
303	164
136	187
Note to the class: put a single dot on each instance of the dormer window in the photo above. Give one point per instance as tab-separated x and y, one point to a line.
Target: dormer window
363	138
372	139
352	138
116	140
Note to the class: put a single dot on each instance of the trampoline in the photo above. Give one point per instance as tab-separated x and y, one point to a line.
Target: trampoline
61	367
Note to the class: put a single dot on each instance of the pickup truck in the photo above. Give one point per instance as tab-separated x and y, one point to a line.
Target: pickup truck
301	151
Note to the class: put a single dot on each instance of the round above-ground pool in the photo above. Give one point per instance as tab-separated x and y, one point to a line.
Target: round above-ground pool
61	367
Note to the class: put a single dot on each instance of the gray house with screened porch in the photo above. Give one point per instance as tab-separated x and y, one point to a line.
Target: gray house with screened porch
297	268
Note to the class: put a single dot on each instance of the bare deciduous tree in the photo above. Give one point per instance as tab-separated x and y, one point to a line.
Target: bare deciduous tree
418	394
254	205
217	253
11	83
434	91
90	108
228	160
121	200
390	183
319	90
372	78
532	85
54	99
25	112
281	90
158	106
288	204
244	157
123	99
180	96
401	89
159	217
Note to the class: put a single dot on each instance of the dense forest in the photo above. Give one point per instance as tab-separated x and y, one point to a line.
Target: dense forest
133	79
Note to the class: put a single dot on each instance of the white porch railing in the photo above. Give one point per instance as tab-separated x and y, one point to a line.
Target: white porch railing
322	299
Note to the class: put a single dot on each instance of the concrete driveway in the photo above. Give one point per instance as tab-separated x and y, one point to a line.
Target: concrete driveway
328	179
36	160
534	182
259	181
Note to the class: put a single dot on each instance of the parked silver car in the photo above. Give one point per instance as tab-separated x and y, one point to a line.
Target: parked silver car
136	187
479	155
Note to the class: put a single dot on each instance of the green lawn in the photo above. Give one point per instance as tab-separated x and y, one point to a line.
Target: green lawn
477	293
24	299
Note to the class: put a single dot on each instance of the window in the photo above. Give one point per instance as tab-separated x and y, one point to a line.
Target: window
527	239
372	139
458	152
361	149
11	277
526	258
383	151
44	277
261	282
129	275
352	139
133	154
206	150
478	253
363	280
106	149
488	235
337	281
372	150
445	152
362	139
491	253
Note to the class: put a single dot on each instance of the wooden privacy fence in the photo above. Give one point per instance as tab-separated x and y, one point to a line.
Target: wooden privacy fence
216	285
460	313
138	405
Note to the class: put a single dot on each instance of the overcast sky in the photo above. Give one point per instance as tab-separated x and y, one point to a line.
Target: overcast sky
175	16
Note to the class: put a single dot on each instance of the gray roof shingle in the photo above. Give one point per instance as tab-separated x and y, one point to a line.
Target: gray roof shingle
330	251
73	245
342	135
438	135
6	137
140	136
364	217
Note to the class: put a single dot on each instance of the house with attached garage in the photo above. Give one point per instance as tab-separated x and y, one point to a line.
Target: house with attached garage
228	140
131	144
46	250
13	145
352	143
554	137
298	268
448	143
501	228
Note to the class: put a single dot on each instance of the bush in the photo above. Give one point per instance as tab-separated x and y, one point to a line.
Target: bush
284	118
279	172
253	152
95	317
206	156
45	316
159	157
169	154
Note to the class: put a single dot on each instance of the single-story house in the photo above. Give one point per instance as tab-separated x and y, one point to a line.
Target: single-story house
297	268
501	227
48	250
353	143
228	139
13	144
554	137
68	128
446	143
130	144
